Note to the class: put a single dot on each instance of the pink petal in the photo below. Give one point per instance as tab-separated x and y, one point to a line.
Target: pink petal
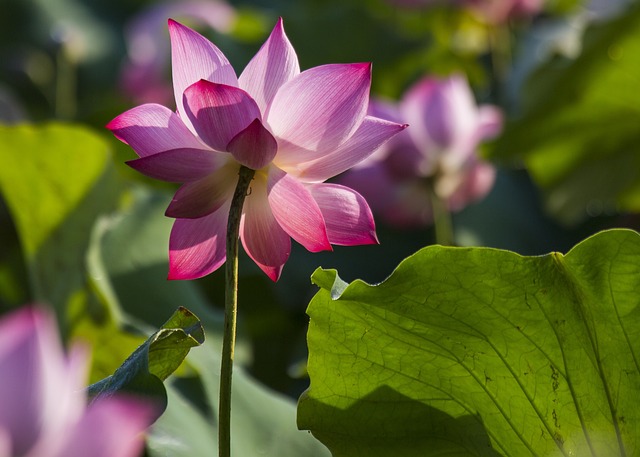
442	112
490	120
179	165
254	147
219	112
296	211
476	184
274	64
200	198
110	428
150	129
346	214
197	247
372	134
193	58
262	237
319	109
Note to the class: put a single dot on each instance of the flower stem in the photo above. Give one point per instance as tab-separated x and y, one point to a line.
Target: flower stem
441	217
231	311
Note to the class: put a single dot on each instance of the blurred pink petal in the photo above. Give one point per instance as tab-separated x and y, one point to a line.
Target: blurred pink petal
274	64
346	214
121	422
43	402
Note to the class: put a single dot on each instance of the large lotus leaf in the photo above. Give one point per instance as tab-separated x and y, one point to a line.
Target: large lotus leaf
578	134
56	180
477	351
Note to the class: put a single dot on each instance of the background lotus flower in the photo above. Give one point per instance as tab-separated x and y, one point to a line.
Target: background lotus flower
500	11
490	11
296	129
440	148
44	410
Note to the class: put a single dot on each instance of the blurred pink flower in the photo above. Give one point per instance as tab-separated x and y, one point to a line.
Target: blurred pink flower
491	11
297	129
446	128
500	11
43	408
144	75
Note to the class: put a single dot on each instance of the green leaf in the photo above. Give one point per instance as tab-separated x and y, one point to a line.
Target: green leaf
578	133
56	179
477	351
163	352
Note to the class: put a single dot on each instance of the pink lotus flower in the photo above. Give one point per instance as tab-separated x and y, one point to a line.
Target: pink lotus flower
296	129
43	408
446	129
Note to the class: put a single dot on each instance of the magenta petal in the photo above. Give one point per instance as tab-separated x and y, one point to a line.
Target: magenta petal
150	129
320	108
178	165
296	211
197	247
254	147
262	237
372	134
197	199
274	64
346	214
219	112
193	58
490	120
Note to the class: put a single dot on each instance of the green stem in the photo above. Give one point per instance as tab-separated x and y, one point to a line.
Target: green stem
231	311
441	217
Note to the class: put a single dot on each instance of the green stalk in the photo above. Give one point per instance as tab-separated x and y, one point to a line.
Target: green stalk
231	311
441	217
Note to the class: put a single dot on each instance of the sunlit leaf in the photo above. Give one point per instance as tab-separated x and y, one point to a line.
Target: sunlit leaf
163	352
477	351
579	132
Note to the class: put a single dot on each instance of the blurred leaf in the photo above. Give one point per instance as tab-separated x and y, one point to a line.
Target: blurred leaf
56	180
579	132
477	351
163	352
